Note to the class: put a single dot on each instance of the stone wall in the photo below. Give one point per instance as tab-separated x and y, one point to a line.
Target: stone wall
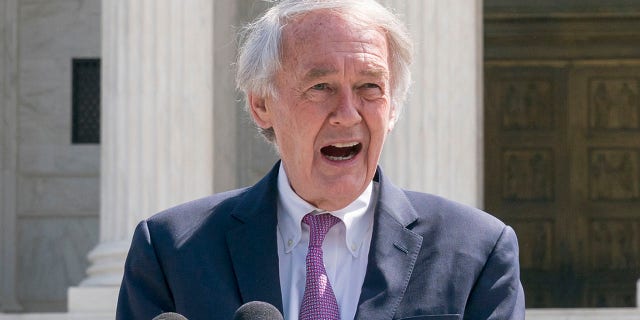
54	221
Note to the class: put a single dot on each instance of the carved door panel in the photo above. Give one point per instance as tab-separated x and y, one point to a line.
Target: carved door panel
605	165
527	179
562	145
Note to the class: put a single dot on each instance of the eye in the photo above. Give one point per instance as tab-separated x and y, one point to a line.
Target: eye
371	91
318	92
320	86
370	86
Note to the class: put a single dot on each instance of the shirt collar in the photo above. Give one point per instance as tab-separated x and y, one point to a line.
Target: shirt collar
357	216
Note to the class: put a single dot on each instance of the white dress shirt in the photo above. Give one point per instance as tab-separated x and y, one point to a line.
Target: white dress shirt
345	248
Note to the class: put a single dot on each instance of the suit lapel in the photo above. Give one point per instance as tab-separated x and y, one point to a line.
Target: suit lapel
252	245
393	253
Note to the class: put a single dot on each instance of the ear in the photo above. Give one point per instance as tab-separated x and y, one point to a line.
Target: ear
259	111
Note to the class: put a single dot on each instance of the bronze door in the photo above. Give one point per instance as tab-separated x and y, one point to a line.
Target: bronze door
562	164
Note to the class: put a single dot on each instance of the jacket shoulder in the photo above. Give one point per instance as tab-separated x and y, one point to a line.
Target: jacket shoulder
185	218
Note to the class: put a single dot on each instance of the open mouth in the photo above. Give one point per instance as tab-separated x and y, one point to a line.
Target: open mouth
341	151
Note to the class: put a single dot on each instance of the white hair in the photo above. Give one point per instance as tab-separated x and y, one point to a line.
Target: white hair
259	58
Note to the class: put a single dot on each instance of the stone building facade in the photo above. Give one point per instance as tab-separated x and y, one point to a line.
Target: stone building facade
50	187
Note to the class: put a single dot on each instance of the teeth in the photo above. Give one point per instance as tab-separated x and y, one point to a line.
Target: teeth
332	158
345	145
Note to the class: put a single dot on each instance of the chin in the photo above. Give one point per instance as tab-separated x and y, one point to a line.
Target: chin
347	194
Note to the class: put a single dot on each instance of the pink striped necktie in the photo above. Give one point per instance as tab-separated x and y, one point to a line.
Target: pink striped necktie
318	301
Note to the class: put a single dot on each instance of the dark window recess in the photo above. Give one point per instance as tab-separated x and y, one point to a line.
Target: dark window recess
86	101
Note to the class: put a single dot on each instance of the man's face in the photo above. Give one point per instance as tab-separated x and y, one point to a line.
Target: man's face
332	111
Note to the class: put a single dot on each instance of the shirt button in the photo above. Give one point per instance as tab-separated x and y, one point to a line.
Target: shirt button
354	247
290	242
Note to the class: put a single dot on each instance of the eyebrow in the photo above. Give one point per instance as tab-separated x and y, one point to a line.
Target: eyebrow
375	72
316	73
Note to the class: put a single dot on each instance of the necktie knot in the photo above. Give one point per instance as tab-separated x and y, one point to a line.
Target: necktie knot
319	225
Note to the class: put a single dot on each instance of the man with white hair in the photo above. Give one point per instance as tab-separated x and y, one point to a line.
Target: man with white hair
324	235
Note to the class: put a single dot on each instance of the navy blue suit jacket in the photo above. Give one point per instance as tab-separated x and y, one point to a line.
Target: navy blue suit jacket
430	258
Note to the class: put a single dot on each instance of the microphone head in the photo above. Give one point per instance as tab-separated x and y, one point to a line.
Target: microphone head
257	310
169	316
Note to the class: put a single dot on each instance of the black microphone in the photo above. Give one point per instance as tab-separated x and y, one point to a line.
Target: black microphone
257	310
169	316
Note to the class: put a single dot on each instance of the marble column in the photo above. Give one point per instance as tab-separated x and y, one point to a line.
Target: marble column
8	154
437	146
157	133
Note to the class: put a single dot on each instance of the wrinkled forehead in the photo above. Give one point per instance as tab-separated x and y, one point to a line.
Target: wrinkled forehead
310	31
320	20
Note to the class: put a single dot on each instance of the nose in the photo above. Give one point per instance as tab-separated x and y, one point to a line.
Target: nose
346	112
